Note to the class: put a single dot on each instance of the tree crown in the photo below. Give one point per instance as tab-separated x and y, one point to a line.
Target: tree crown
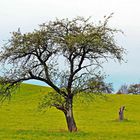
78	44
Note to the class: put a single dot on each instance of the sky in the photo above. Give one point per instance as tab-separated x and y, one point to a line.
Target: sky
28	14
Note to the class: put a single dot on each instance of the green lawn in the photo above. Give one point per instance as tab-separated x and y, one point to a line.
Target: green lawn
20	118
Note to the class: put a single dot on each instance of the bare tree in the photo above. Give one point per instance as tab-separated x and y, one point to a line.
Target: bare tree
123	89
65	54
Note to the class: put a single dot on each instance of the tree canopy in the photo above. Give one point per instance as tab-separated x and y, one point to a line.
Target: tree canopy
65	54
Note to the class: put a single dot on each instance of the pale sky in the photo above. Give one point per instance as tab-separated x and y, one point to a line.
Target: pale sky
27	14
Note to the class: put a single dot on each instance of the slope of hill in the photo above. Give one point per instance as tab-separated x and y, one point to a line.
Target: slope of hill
20	118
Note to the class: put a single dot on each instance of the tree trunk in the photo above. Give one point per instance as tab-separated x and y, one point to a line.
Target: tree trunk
121	113
69	115
70	120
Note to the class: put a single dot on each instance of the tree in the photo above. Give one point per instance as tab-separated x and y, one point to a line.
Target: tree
134	88
65	54
123	89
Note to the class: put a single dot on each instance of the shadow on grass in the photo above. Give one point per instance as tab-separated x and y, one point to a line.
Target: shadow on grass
53	134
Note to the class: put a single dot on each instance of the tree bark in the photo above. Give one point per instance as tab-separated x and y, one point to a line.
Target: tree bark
70	120
69	115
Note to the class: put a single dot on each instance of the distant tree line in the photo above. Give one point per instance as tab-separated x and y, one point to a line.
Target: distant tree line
99	85
129	89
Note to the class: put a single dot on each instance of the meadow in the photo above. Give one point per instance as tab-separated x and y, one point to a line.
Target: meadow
97	119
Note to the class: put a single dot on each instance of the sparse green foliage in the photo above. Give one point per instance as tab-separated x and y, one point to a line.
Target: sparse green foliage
52	99
98	85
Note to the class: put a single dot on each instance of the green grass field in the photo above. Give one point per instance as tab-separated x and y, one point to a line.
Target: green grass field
20	118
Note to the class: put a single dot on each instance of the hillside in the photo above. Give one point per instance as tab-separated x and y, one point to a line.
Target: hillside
20	118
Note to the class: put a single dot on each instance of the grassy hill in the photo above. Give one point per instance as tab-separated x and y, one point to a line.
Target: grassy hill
20	118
